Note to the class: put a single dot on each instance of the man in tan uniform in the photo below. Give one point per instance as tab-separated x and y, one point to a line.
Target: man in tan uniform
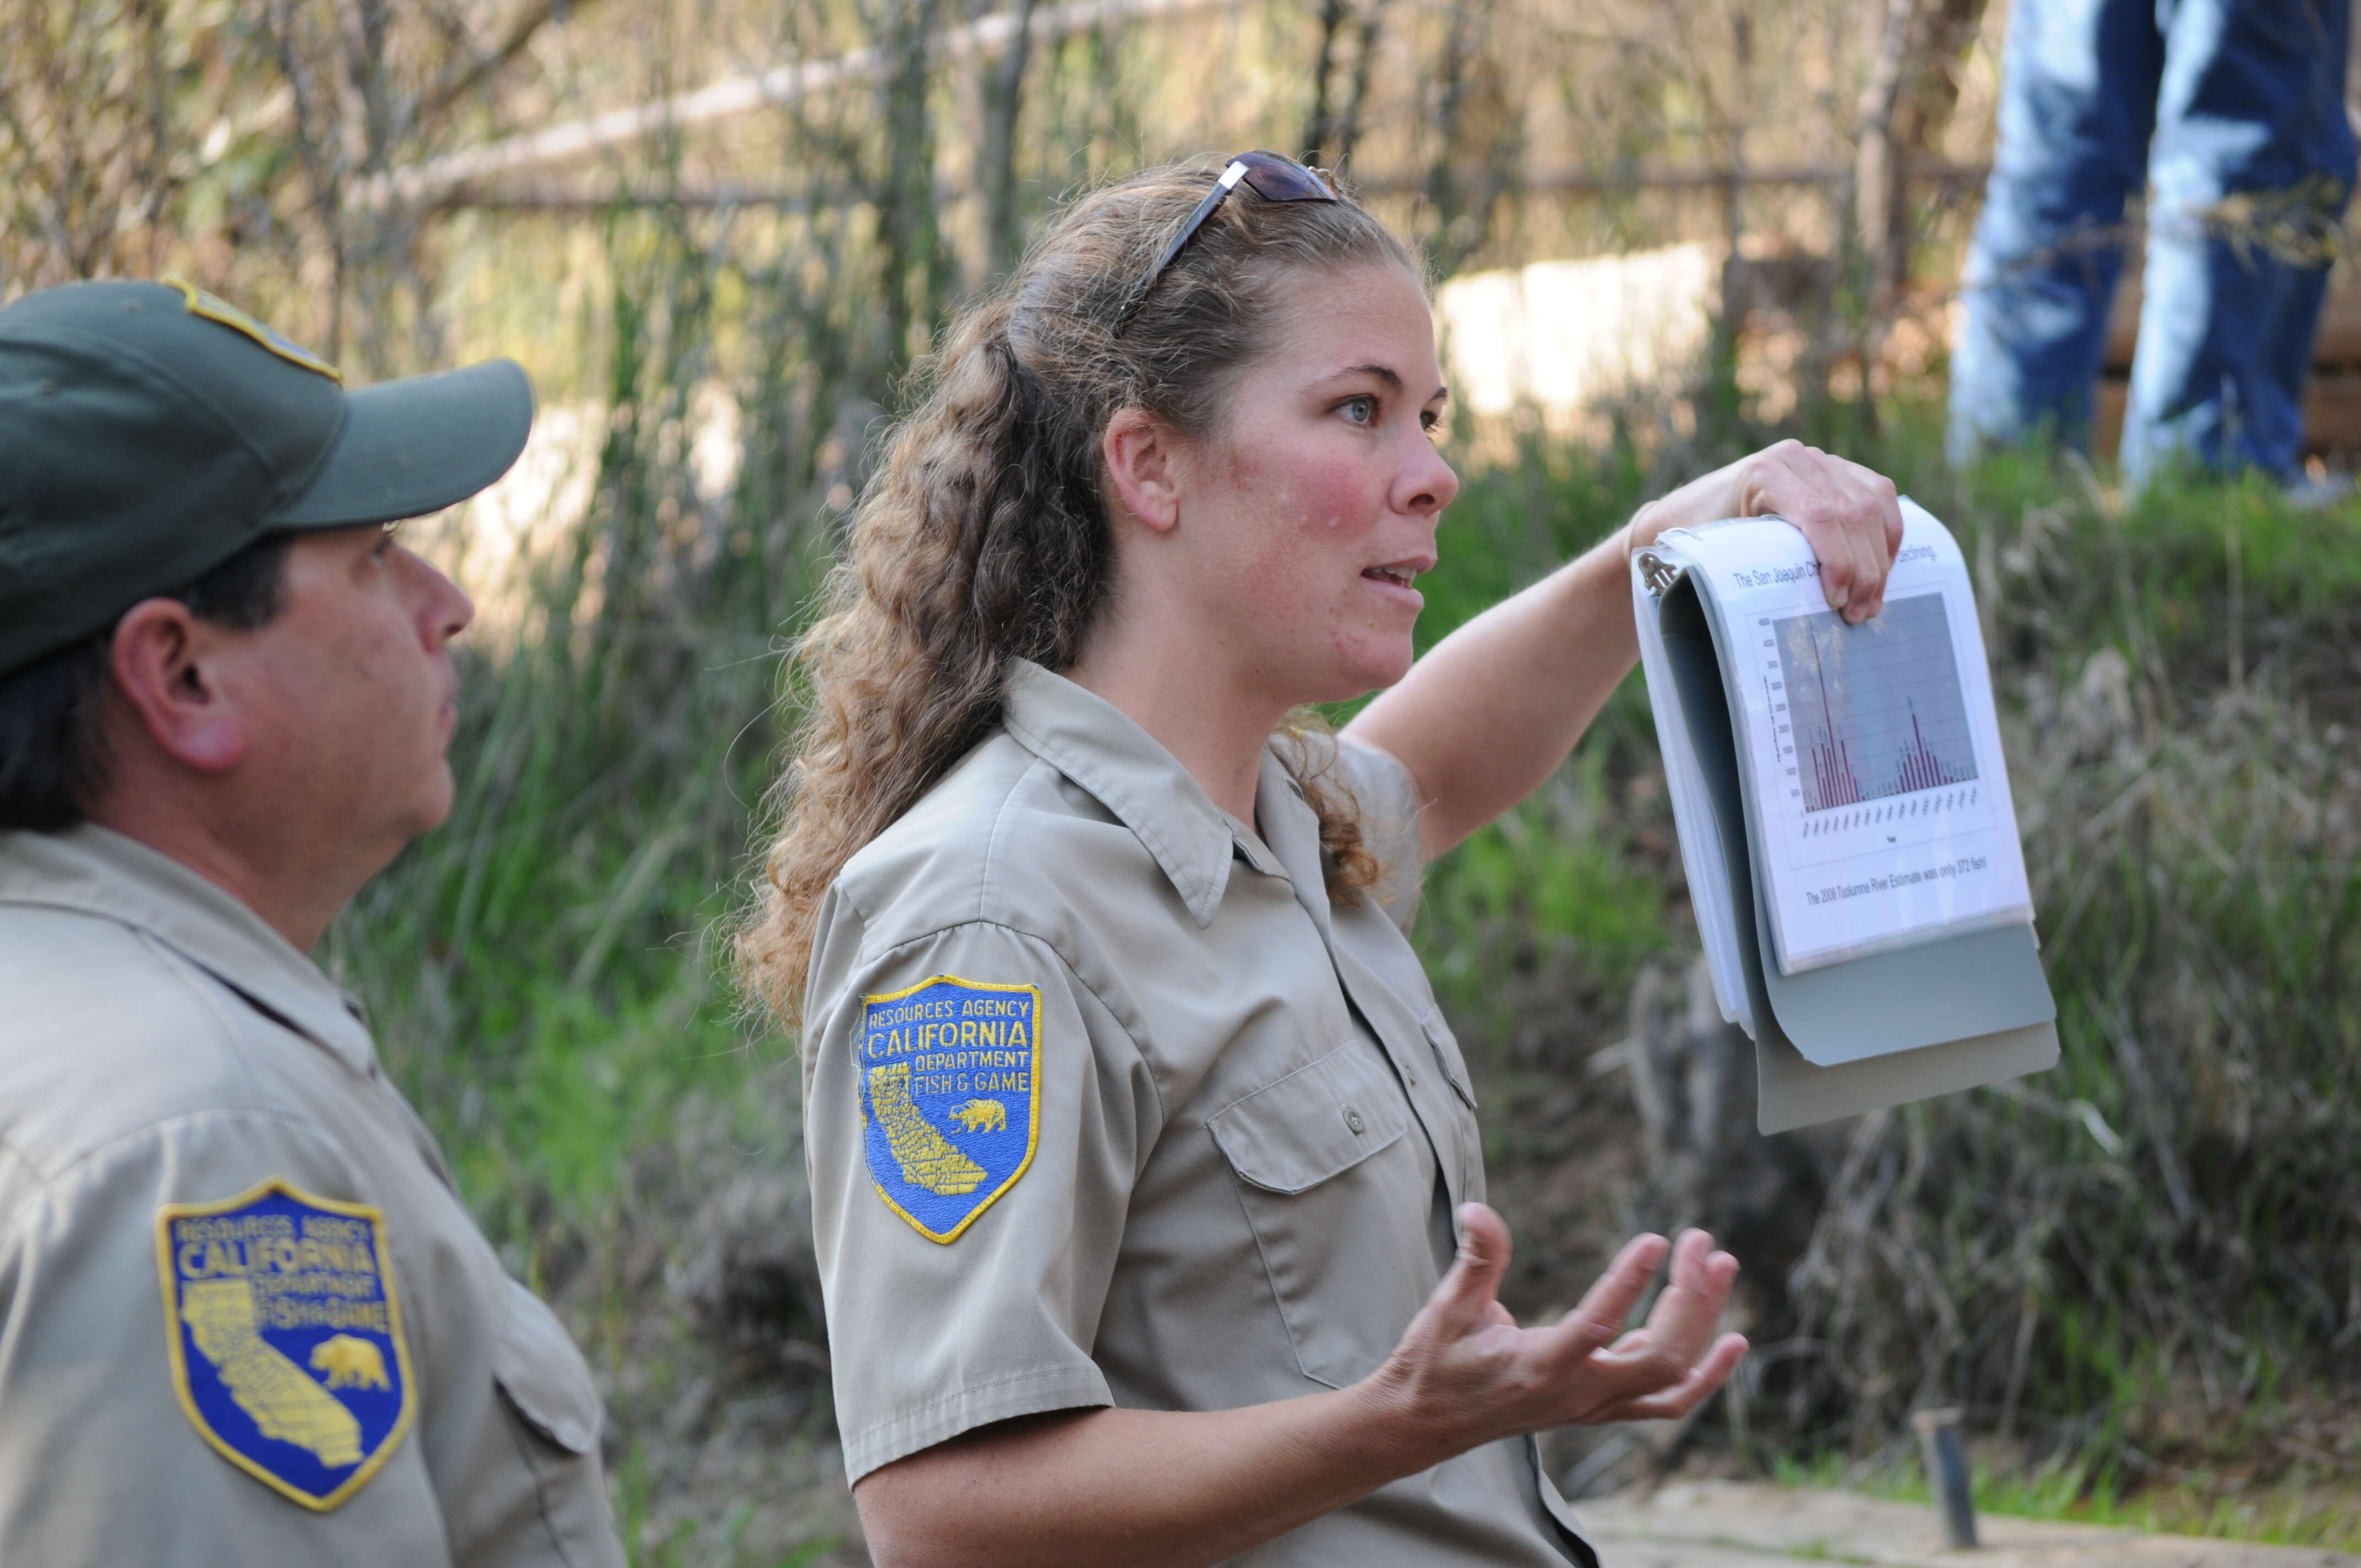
244	1317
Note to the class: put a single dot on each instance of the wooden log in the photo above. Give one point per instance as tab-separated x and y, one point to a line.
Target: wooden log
2339	342
2331	412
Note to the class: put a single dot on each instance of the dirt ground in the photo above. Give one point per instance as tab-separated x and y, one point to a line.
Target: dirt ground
1737	1525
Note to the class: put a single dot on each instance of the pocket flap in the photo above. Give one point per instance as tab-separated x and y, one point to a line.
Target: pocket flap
544	1376
1323	1118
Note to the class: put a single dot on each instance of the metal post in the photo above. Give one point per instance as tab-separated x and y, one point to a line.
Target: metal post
1946	1473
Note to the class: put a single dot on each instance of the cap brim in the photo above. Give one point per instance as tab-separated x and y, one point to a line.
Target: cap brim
417	445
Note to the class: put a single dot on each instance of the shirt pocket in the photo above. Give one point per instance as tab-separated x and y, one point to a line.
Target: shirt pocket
1338	1205
543	1378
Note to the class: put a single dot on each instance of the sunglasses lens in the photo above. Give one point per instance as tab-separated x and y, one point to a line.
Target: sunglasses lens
1277	179
1271	177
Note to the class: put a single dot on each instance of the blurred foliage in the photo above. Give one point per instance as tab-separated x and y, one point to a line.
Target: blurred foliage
2141	1271
1554	883
2284	1512
2146	1260
366	174
2140	1265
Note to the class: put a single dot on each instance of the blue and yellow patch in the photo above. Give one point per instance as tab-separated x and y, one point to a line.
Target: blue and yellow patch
214	308
284	1335
950	1097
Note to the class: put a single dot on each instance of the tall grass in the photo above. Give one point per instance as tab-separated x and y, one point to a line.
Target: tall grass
2147	1262
547	970
2141	1270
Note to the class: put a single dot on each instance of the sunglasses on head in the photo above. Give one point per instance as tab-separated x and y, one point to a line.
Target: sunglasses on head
1268	175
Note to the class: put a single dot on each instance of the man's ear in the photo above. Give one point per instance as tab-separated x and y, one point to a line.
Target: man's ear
1140	452
163	661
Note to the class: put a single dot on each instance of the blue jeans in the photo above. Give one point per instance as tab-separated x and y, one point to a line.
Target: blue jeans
2198	101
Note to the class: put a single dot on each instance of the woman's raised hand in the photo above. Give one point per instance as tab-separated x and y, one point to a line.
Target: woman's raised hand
1465	1374
1848	512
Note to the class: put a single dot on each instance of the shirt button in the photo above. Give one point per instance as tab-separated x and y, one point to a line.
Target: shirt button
1353	1120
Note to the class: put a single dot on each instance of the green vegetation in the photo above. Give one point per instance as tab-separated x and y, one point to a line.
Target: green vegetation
1555	885
2292	1510
1817	1550
2140	1273
2142	1265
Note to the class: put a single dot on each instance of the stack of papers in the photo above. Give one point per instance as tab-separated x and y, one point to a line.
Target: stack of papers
1844	817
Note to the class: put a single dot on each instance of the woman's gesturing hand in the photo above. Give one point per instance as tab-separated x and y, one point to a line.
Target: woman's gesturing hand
1848	512
1468	1374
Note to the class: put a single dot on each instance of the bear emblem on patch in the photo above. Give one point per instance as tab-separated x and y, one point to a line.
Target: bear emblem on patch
950	1097
283	1332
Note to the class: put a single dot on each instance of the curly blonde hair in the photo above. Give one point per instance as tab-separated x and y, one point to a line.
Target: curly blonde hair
984	535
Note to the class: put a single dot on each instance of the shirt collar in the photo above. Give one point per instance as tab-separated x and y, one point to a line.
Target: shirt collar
1126	769
98	871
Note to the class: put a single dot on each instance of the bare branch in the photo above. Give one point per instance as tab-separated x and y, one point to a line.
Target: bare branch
438	179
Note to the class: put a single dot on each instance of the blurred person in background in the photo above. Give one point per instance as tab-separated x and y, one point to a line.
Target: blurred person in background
244	1317
2231	113
1146	1185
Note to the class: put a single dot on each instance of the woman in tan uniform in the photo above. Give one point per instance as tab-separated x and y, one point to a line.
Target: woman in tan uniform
1146	1180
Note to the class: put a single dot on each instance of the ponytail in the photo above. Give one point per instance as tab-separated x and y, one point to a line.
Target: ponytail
984	536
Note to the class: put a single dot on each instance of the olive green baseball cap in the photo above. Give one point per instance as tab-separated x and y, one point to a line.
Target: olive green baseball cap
149	431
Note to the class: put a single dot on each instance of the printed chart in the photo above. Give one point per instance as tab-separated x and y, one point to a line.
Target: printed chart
1873	710
1877	809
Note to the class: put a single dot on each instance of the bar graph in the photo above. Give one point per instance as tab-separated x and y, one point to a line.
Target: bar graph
1873	710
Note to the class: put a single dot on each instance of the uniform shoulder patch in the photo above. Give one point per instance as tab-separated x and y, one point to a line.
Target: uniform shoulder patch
214	309
950	1097
283	1332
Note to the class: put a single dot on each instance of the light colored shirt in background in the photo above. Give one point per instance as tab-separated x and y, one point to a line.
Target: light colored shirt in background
1107	1104
179	1086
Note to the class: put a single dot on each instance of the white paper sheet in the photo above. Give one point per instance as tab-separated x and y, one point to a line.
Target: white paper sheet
1873	751
1702	855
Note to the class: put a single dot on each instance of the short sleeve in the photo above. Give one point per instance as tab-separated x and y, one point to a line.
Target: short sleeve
975	1122
103	1457
1390	810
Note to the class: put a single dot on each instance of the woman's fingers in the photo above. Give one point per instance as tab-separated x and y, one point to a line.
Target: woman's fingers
1849	514
1668	1404
1855	524
1874	525
1665	1358
1802	490
1685	1316
1468	1298
1851	566
1664	1350
1886	505
1478	1372
1867	508
1599	1317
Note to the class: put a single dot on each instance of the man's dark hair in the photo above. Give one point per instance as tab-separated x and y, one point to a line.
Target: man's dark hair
53	759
